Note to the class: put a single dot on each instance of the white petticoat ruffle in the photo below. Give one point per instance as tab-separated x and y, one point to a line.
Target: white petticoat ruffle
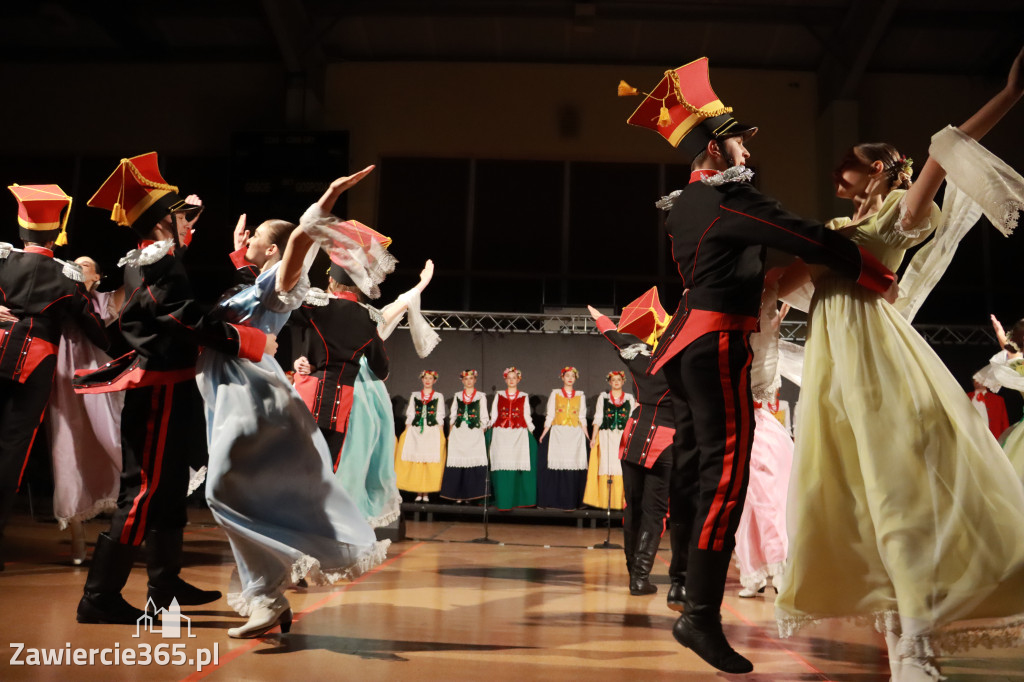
309	568
996	634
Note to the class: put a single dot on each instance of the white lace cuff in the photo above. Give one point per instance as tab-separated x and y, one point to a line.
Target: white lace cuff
317	296
631	351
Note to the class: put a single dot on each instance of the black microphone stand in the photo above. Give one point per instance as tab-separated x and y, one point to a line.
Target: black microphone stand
607	544
486	540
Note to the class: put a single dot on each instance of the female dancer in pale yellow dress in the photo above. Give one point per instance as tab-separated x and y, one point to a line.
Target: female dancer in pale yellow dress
902	509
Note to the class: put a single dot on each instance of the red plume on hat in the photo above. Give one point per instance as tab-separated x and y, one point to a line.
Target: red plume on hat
645	317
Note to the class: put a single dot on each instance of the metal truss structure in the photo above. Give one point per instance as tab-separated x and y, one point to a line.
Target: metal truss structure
582	323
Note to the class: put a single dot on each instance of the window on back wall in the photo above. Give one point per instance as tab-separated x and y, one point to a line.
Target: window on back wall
520	236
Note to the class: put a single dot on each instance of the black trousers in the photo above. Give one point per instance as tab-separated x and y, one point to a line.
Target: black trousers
710	383
158	427
21	412
646	499
335	444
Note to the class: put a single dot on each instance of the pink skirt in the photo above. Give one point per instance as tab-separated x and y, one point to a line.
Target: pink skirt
761	542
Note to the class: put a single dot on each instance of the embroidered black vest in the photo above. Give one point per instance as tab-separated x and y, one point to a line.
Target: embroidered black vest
615	417
468	414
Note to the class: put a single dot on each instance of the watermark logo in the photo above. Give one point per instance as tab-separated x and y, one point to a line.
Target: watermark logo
139	654
170	621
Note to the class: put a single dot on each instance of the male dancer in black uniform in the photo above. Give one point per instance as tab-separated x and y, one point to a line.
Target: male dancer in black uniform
646	446
720	227
40	294
165	327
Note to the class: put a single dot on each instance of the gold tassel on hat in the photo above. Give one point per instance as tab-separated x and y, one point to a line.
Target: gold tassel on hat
62	238
627	90
664	119
118	215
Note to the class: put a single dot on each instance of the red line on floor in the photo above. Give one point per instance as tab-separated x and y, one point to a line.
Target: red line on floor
795	656
252	643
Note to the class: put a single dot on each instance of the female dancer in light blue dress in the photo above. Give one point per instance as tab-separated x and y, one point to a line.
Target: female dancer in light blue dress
270	483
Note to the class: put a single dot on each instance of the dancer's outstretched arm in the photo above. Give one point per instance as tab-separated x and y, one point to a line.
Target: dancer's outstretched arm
299	242
918	200
395	309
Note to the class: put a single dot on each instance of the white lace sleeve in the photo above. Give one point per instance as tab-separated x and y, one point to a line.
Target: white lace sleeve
484	417
366	265
549	416
424	338
764	371
977	182
986	376
791	361
981	175
1002	371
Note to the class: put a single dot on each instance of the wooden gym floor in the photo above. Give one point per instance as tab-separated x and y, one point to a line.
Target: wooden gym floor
538	606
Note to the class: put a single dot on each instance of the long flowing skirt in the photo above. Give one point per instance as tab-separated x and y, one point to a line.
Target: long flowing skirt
271	486
562	488
367	468
901	501
465	471
513	487
85	436
1012	441
414	474
761	541
605	468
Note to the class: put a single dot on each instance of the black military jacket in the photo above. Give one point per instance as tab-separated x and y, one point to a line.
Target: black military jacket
42	292
165	327
651	427
720	236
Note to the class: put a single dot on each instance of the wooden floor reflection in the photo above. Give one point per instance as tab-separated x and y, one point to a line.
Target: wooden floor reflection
540	605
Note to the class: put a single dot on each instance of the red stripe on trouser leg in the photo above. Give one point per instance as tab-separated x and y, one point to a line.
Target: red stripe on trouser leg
708	528
158	459
156	428
741	461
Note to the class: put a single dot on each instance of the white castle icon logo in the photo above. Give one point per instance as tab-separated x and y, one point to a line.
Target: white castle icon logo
170	621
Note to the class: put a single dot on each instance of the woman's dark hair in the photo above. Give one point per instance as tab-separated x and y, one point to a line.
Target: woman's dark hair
893	164
278	232
1016	337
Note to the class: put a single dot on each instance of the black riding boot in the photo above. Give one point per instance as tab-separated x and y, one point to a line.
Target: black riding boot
679	535
643	562
163	562
700	627
102	601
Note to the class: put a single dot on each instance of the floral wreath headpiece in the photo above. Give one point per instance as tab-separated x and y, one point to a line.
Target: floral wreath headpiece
566	370
905	164
428	372
468	373
617	373
511	370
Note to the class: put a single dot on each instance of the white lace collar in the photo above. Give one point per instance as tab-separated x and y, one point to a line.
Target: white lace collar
734	174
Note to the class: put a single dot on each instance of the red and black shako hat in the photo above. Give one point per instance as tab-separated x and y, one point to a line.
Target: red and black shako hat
684	110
